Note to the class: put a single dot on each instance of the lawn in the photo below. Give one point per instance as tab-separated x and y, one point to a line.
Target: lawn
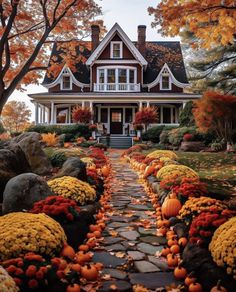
217	169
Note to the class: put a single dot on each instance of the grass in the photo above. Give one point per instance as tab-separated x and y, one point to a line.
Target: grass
218	170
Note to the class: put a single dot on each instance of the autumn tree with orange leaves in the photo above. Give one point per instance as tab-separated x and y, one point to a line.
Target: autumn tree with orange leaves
16	116
27	31
146	116
216	112
213	22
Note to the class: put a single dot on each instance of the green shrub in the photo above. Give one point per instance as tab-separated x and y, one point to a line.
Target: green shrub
164	137
218	145
2	130
186	118
153	134
159	146
87	144
175	136
77	130
69	138
57	159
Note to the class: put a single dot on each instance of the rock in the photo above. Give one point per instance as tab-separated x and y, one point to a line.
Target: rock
153	280
121	286
34	135
144	231
34	154
138	207
181	230
108	260
145	267
114	273
22	191
148	248
136	255
130	235
154	240
115	247
111	240
73	166
162	265
192	146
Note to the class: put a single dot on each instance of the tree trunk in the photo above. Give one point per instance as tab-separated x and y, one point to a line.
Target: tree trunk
3	100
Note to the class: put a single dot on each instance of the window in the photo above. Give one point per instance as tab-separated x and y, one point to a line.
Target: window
122	75
66	82
101	76
104	115
111	76
116	50
166	115
131	76
128	115
116	117
165	82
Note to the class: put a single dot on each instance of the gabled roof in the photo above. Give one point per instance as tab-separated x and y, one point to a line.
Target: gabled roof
116	29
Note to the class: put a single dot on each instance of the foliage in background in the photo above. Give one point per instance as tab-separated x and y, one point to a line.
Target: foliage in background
50	139
81	115
186	117
16	116
27	31
216	112
146	116
213	22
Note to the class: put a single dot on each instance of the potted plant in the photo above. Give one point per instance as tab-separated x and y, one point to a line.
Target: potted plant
138	128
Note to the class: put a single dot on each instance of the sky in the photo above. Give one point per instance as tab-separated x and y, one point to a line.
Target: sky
128	13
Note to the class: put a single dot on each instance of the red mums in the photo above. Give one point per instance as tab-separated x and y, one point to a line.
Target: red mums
81	115
57	207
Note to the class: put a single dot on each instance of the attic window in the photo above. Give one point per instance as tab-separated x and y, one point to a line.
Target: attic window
66	83
116	50
165	83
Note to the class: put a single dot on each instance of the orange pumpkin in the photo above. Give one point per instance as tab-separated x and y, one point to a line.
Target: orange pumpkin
148	171
171	207
82	257
93	228
195	287
172	261
105	171
84	247
68	252
190	279
73	288
172	241
165	251
175	248
218	288
76	267
97	233
89	272
180	273
182	241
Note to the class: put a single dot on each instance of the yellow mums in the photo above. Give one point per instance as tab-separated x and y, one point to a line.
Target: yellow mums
195	206
21	233
163	153
88	161
7	284
73	188
223	246
175	171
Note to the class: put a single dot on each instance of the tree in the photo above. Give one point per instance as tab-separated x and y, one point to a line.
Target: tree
146	116
27	31
212	22
216	112
213	68
16	116
186	118
81	115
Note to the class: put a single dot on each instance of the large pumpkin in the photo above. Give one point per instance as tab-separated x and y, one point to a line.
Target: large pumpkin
149	170
171	207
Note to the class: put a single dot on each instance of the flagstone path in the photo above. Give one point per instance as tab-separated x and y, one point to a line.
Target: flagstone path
130	242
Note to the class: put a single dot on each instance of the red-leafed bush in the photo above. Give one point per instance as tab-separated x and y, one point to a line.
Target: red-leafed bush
98	156
57	207
146	116
204	225
190	187
93	127
92	173
139	157
188	137
81	115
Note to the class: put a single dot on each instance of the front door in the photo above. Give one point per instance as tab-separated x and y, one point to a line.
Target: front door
116	121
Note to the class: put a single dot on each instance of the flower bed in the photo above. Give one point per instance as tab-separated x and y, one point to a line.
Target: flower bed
201	221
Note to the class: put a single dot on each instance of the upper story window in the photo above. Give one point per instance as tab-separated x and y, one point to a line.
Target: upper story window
165	83
116	50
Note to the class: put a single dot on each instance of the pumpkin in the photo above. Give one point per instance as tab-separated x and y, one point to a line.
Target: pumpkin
182	241
165	251
175	248
189	279
171	207
68	252
93	228
218	288
89	272
76	267
180	273
195	287
73	288
172	260
148	171
97	233
84	247
82	257
163	230
105	171
172	241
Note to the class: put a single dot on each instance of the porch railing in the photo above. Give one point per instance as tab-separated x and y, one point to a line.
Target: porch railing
121	87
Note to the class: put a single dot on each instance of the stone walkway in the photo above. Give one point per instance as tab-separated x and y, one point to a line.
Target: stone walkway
130	242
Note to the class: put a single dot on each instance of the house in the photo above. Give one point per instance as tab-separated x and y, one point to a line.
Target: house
116	77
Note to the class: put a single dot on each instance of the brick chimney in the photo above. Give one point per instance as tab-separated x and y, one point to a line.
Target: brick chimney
95	36
141	45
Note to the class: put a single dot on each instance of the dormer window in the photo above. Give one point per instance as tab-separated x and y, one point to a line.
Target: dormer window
116	50
66	83
165	83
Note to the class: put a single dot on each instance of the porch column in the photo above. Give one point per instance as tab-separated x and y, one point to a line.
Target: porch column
140	105
83	103
148	103
99	114
91	109
133	114
36	113
52	112
69	120
123	122
184	104
44	114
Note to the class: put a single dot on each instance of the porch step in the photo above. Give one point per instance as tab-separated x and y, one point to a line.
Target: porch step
117	142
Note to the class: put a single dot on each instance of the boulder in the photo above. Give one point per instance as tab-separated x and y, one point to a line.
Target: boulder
22	191
192	146
74	167
37	159
34	135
